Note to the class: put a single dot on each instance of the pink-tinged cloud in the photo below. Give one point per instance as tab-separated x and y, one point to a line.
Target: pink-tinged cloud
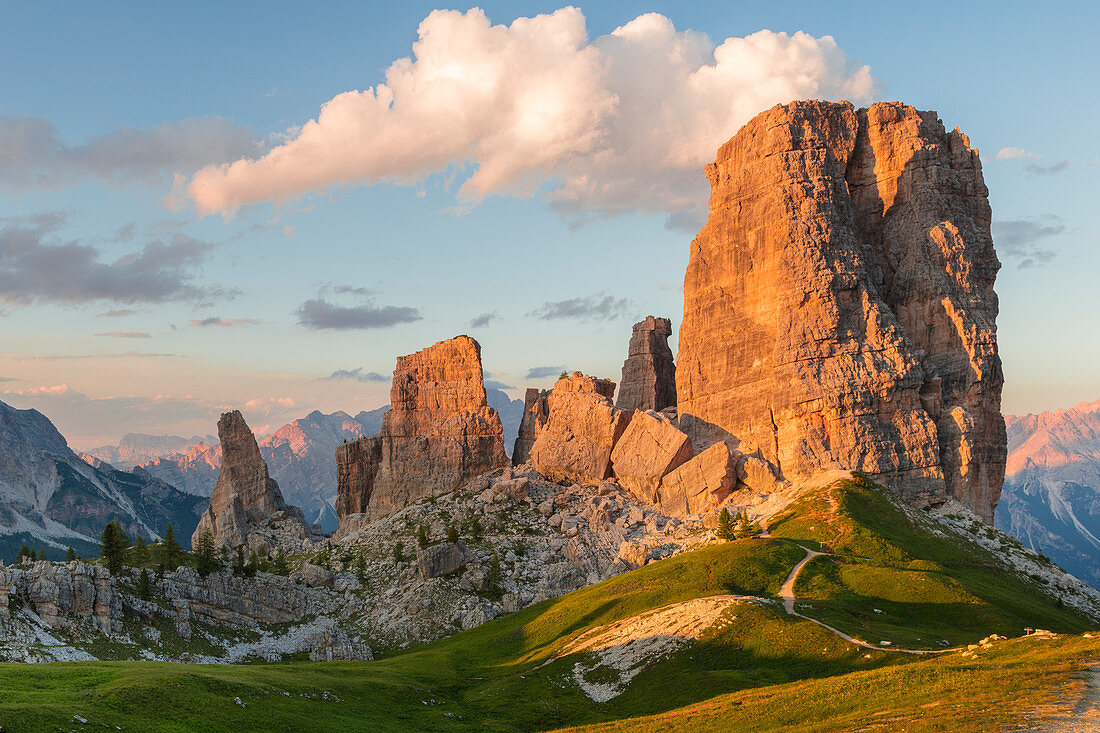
224	322
126	334
622	122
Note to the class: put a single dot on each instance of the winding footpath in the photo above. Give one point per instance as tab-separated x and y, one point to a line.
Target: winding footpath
786	593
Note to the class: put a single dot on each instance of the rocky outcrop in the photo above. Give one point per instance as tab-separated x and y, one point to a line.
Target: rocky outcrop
581	429
839	310
699	484
649	374
536	409
63	596
650	448
246	507
226	598
441	559
438	434
63	611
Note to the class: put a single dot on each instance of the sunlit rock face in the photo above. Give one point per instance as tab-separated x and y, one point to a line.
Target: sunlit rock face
439	433
580	430
839	310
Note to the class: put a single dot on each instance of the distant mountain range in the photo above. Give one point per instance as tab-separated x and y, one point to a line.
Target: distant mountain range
1051	496
137	448
300	455
50	497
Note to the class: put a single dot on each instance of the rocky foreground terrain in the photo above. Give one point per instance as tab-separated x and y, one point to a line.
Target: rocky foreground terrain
520	540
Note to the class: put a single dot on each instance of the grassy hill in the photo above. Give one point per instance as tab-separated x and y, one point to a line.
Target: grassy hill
750	667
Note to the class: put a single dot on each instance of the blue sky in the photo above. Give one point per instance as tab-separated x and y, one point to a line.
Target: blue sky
562	282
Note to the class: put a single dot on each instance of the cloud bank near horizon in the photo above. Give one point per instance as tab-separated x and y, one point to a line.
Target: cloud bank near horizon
624	122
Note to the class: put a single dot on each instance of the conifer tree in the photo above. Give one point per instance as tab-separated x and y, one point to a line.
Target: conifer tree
473	527
742	528
725	525
399	551
239	561
113	544
144	586
170	550
280	566
452	533
25	553
70	554
206	558
493	577
422	536
42	553
140	552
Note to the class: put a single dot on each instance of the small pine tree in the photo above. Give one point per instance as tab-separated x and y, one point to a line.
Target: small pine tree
742	529
140	553
361	568
145	585
422	536
25	553
70	554
280	566
494	576
253	564
399	551
171	552
239	561
206	559
725	525
113	544
452	533
473	527
41	554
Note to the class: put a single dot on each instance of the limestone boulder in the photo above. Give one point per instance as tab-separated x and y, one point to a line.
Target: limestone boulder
581	429
441	559
701	483
758	475
314	576
839	309
650	447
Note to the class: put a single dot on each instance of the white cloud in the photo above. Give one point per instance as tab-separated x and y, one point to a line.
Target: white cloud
1016	154
622	122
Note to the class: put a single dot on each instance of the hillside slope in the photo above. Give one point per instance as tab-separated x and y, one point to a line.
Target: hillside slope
51	497
700	634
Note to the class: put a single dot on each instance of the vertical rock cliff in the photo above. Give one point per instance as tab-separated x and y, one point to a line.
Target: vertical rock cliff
439	433
247	507
649	373
536	410
839	310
